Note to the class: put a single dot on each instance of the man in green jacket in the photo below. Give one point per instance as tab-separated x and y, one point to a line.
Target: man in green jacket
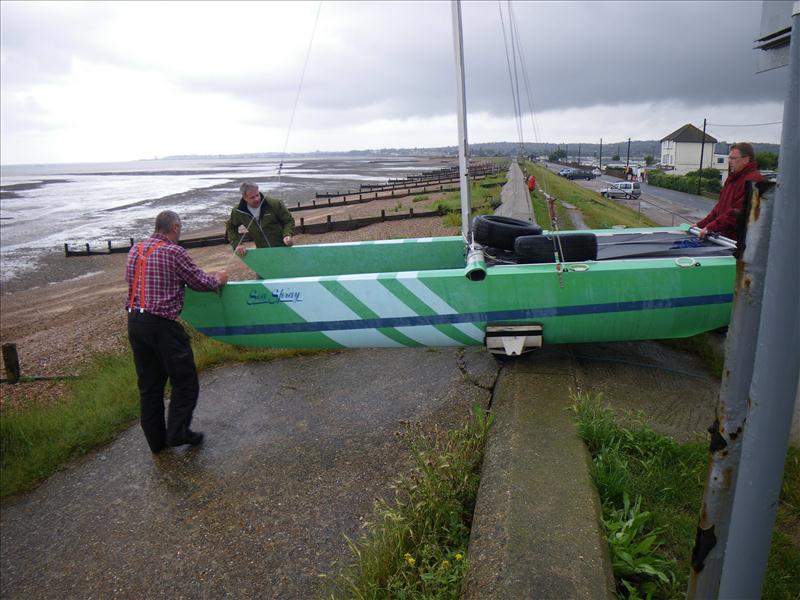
267	220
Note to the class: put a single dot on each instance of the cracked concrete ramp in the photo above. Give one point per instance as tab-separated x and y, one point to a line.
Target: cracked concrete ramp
536	531
296	452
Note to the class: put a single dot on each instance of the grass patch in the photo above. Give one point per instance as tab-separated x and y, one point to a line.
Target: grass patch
37	440
484	200
651	490
598	212
416	546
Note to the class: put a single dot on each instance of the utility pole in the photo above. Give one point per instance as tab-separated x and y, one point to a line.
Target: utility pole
579	155
566	158
702	149
628	160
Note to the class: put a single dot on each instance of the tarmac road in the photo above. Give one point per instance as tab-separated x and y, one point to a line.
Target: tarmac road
296	452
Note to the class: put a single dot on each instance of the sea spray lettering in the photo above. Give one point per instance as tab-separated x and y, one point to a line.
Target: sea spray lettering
273	297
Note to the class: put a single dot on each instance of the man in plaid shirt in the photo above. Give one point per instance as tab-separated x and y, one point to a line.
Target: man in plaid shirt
157	271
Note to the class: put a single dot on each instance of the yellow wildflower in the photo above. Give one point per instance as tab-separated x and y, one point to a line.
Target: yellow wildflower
445	563
459	556
409	559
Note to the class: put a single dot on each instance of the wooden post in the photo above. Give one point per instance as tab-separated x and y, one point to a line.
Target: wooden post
330	225
66	249
411	211
131	242
87	249
11	362
383	214
109	246
302	225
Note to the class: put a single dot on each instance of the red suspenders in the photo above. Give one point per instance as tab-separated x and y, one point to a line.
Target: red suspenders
138	275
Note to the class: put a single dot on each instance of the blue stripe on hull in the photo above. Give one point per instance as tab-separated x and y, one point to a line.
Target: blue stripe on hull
476	317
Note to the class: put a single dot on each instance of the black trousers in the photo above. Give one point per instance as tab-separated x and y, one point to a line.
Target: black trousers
161	350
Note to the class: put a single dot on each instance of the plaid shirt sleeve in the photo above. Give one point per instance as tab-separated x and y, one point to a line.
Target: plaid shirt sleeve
192	275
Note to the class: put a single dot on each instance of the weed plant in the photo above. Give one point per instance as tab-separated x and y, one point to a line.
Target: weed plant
38	439
651	491
542	214
416	546
484	201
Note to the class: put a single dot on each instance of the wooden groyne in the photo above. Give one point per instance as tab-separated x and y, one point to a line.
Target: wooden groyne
411	184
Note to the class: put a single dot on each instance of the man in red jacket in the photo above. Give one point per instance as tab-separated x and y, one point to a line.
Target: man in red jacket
742	167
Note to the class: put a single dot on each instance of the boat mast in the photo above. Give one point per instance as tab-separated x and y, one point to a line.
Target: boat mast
461	101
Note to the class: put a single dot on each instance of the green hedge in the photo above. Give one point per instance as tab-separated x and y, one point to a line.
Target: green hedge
711	173
683	183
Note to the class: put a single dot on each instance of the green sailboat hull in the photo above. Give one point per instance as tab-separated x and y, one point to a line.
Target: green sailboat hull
408	293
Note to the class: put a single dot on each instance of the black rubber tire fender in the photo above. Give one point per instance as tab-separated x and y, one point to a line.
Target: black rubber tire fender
500	232
542	248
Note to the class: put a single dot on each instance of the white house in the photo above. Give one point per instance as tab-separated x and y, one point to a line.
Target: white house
721	164
681	149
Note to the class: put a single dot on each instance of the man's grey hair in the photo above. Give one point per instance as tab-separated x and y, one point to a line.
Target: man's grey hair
247	186
165	220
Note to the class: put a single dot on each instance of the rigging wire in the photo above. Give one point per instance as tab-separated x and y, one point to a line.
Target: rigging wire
516	77
529	95
524	69
517	50
514	97
299	88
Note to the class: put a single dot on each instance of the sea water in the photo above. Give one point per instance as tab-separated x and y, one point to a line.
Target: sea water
43	207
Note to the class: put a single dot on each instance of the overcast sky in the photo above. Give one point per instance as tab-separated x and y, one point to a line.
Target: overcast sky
122	81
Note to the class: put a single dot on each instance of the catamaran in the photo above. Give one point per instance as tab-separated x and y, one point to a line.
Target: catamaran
538	287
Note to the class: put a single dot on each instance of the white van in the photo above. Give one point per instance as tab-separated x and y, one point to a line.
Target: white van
623	189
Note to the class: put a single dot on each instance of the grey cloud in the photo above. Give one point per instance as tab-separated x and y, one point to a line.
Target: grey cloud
395	59
577	54
39	41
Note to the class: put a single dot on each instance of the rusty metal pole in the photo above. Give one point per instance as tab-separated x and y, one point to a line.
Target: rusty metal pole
776	373
759	385
726	431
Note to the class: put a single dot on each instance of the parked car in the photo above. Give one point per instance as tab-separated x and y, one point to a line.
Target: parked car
566	171
579	174
623	189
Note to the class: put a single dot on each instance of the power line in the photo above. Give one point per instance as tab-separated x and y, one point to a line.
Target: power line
748	125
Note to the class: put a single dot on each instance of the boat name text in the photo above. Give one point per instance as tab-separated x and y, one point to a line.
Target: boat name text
273	297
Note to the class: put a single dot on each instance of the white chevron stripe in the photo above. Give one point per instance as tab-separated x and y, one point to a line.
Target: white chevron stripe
410	280
313	296
386	305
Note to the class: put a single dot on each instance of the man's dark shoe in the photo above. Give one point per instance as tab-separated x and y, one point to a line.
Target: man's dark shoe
193	438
